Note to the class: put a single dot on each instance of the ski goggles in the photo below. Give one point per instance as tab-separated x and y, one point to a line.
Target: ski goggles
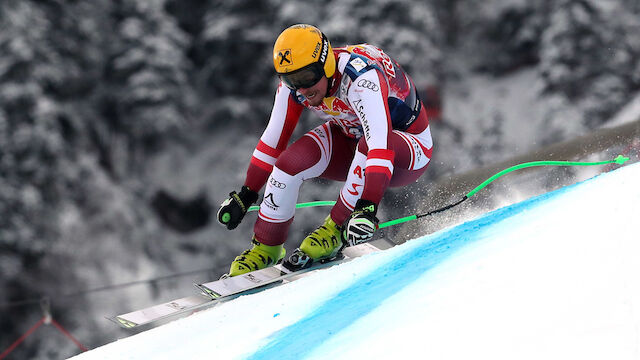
303	78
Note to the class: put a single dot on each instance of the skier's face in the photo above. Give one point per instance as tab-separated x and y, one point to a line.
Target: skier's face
316	93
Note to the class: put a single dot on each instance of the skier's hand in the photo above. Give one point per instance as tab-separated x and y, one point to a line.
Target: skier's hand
233	209
361	224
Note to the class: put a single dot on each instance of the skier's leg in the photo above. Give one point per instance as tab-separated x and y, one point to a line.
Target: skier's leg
308	157
326	241
320	152
412	156
412	153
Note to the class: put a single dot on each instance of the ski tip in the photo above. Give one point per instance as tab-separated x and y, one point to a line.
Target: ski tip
208	292
124	323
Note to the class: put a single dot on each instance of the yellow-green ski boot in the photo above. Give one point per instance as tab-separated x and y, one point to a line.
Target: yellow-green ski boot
258	257
324	243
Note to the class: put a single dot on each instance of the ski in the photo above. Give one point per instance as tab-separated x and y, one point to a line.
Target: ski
215	292
163	311
276	274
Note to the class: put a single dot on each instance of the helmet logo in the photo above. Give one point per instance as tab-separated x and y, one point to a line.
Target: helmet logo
316	50
282	54
325	50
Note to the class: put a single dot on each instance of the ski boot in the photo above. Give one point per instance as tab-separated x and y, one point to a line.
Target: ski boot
323	244
258	257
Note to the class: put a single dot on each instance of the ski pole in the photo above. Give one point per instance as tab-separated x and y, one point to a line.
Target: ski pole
618	160
302	205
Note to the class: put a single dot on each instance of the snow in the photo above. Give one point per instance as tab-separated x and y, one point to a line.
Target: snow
552	277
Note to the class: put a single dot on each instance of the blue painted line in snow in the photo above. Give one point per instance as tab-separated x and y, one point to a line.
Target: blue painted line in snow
308	334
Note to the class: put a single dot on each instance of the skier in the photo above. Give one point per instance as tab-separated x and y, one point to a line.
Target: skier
376	135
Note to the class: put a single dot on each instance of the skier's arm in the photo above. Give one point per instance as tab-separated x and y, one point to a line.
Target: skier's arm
284	118
368	97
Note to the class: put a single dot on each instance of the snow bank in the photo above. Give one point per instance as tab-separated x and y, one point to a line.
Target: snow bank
553	277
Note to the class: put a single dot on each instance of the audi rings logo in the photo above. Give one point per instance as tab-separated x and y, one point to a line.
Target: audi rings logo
277	184
368	85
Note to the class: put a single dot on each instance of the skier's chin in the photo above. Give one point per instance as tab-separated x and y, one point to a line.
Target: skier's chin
315	101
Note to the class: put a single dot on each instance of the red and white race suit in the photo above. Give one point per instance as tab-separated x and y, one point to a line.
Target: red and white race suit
375	135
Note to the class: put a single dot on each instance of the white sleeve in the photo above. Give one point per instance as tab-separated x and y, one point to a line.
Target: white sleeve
284	117
367	100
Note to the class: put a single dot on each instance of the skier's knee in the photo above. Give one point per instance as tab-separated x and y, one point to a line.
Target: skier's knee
295	162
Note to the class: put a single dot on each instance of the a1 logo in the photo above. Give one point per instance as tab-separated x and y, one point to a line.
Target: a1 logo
358	171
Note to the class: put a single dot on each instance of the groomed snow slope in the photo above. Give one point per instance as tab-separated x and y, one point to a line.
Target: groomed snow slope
553	277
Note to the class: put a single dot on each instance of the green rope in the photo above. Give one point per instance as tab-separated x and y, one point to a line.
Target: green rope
620	160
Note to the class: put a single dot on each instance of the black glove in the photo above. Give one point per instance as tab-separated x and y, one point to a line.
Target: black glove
361	224
233	209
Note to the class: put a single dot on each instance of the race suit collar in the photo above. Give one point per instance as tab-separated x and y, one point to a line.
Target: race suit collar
334	84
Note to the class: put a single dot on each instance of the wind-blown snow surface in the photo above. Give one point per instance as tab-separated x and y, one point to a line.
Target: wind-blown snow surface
553	277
